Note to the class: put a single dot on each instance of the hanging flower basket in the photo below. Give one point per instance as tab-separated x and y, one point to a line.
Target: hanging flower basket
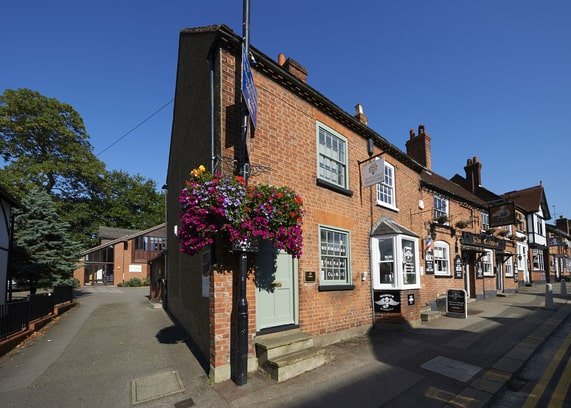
217	205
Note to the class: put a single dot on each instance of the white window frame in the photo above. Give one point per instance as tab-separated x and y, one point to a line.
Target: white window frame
332	247
485	217
388	188
441	260
488	262
438	212
322	152
537	254
397	262
509	268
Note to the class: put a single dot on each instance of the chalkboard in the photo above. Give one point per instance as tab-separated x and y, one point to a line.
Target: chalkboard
457	303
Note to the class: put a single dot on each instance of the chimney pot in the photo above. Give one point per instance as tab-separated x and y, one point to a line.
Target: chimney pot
360	114
418	147
421	129
411	133
281	59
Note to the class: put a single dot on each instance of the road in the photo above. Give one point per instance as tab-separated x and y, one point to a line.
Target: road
91	356
545	380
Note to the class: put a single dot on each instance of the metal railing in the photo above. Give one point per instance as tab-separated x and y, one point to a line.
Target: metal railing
16	316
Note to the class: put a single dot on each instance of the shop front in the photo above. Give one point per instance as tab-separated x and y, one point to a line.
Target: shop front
480	264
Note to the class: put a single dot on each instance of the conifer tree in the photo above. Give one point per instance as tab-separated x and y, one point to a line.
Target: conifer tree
44	255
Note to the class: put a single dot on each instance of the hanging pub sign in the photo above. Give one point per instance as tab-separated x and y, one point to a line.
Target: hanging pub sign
373	172
429	262
458	267
502	214
479	270
387	301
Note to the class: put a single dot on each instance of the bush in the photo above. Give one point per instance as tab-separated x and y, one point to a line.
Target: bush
147	281
131	283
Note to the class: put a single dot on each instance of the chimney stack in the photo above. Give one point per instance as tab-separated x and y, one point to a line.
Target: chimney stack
360	114
473	171
418	147
563	224
293	67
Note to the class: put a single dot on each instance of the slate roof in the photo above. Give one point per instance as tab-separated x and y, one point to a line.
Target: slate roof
270	68
530	200
161	228
481	192
110	233
448	188
387	226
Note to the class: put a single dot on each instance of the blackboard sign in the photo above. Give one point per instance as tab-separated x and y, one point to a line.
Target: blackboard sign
309	276
457	303
387	301
458	267
429	262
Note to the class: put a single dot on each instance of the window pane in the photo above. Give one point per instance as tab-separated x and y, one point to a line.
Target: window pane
409	262
332	158
334	256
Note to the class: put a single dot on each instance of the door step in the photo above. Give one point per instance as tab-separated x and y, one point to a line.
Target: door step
430	315
286	355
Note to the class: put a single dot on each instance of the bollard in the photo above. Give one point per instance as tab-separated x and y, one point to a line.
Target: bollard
564	288
549	297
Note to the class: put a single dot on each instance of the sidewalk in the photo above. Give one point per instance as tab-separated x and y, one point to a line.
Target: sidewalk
446	362
92	356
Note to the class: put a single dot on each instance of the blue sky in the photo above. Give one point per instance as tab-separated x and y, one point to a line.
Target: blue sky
487	78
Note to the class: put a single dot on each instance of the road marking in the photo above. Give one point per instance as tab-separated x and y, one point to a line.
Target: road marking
539	388
558	397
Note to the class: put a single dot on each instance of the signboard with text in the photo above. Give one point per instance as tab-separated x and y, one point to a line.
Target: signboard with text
248	89
387	301
373	172
457	303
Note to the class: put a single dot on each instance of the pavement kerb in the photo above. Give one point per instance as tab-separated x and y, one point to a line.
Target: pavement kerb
482	391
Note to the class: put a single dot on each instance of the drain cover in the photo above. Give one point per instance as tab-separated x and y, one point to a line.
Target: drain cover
451	368
156	386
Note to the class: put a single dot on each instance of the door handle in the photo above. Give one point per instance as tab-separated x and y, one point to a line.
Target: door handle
276	284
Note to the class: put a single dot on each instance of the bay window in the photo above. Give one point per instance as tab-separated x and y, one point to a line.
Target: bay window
395	262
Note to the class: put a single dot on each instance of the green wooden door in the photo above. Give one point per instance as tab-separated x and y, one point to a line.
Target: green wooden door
276	288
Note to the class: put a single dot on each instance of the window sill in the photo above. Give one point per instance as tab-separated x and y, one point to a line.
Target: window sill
322	183
329	288
442	275
388	207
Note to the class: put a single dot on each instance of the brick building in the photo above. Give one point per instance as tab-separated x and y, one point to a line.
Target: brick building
122	254
559	243
306	142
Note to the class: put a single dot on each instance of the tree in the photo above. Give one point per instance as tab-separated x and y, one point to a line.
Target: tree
44	255
131	201
44	142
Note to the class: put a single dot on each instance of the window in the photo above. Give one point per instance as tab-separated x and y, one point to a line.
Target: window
386	190
332	156
440	207
148	243
441	254
395	262
509	267
539	226
537	259
334	257
487	263
485	221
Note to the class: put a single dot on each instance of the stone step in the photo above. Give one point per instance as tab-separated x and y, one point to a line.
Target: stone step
298	362
426	308
431	315
272	346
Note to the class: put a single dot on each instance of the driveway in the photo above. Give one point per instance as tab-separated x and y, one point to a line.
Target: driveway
90	356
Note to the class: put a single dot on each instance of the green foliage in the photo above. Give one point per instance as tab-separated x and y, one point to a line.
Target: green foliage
131	202
44	253
44	145
147	281
131	283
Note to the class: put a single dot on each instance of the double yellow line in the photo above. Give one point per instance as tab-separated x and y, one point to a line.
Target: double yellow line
558	397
